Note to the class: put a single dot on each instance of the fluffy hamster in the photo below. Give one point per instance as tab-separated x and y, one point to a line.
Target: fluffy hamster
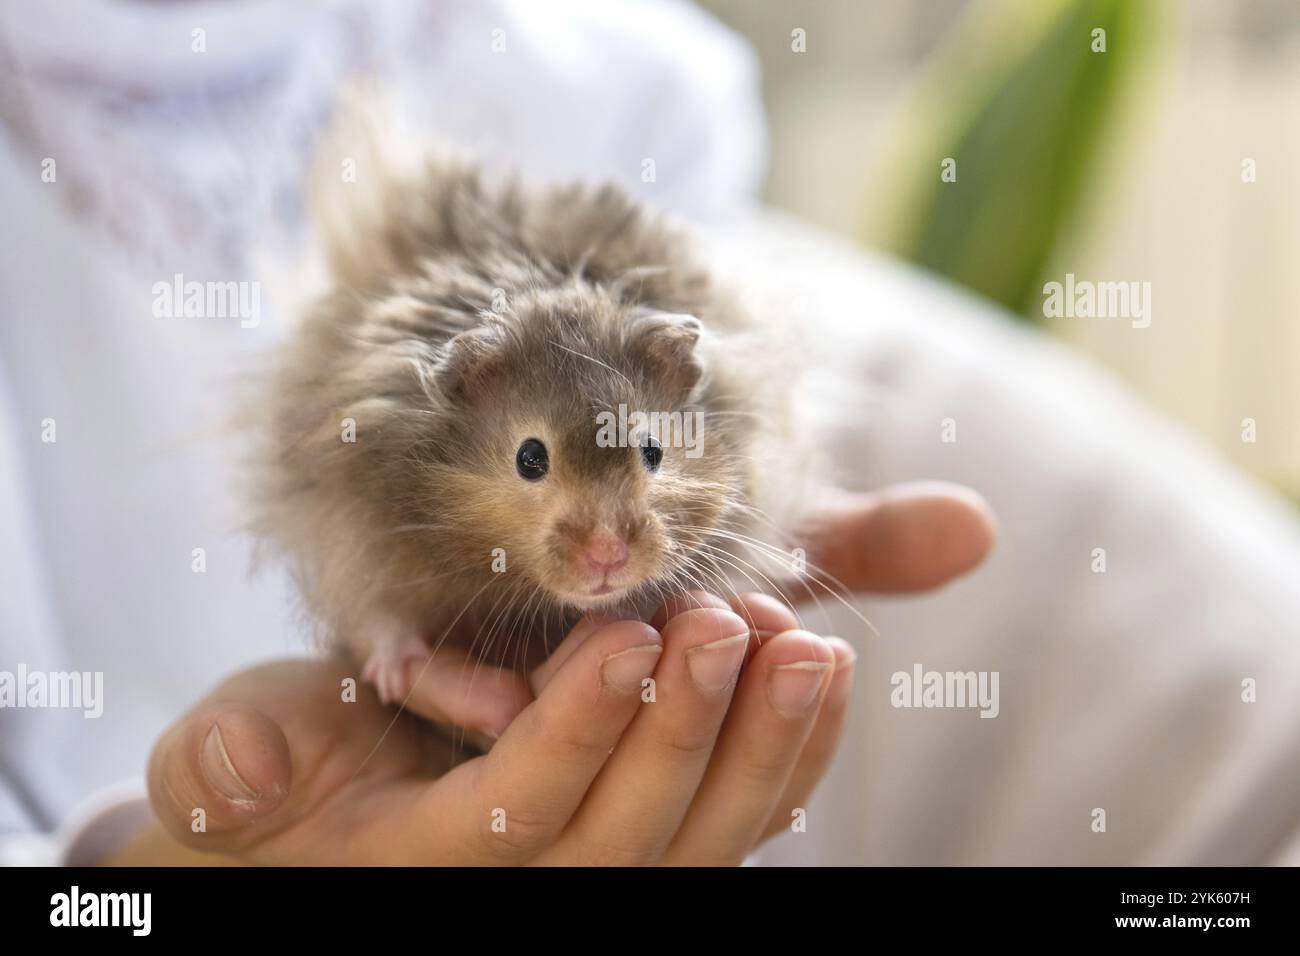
443	440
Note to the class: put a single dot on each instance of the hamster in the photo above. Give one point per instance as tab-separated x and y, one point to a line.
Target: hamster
510	406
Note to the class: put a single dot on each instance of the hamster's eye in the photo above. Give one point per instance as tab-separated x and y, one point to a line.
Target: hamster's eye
532	460
652	453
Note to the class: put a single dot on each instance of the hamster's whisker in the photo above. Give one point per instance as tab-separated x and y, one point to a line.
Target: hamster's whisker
715	578
681	578
812	595
696	574
397	715
739	565
777	553
495	618
529	620
773	552
492	622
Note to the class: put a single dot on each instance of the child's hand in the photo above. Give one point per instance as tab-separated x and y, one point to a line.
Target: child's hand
284	771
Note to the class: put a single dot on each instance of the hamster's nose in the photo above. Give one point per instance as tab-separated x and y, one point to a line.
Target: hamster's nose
604	552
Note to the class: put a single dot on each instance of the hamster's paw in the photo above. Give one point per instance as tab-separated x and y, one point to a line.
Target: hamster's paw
388	666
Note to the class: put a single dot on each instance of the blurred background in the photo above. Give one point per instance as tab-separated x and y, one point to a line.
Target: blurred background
1132	164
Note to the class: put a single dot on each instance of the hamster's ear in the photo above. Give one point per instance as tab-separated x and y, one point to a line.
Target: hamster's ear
664	343
471	362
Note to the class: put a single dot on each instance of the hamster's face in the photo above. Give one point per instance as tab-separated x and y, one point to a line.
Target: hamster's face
590	516
588	468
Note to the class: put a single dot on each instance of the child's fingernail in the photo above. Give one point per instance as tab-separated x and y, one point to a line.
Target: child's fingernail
221	773
792	688
623	672
714	666
850	656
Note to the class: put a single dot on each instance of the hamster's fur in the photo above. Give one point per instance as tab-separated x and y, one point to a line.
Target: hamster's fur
463	318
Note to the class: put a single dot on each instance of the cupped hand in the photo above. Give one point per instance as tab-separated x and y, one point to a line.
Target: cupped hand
643	745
